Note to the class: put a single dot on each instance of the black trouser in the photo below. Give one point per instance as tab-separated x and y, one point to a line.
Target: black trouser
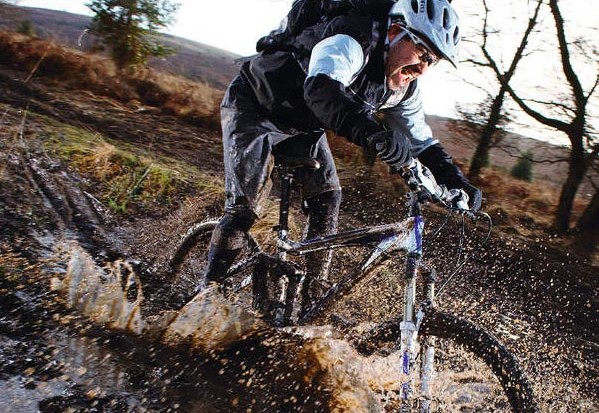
230	238
323	215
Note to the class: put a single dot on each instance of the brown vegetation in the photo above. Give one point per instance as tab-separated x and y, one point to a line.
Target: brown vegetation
193	101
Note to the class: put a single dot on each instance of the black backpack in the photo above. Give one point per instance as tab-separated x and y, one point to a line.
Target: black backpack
306	13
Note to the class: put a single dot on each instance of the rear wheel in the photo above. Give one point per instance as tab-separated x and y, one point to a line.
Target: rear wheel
461	381
187	264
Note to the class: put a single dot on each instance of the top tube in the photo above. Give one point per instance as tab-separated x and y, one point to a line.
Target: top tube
404	230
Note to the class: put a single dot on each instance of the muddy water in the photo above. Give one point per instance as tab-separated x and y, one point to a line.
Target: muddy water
83	362
213	355
209	324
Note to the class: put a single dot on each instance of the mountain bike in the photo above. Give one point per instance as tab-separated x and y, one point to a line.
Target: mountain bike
276	280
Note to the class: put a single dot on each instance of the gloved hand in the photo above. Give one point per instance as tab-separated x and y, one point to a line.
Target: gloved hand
474	194
395	152
446	173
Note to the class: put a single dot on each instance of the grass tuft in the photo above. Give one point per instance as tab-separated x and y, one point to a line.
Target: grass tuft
126	181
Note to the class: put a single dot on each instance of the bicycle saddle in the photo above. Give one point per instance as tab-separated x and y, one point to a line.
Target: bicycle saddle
286	161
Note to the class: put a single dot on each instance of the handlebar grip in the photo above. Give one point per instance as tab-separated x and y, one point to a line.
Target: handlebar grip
419	177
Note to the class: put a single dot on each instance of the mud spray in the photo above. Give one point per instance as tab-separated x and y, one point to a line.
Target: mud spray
210	324
250	366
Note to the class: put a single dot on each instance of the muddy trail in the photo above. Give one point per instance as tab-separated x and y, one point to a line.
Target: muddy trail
87	318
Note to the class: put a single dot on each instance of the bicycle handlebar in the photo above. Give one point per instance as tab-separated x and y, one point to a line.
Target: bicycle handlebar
420	178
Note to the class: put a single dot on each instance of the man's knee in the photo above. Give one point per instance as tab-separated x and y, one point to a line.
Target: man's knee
231	231
240	219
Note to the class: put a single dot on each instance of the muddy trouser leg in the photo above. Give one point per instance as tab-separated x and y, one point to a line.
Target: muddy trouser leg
323	210
229	238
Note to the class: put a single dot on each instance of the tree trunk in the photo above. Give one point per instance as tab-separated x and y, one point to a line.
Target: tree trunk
589	221
576	170
481	154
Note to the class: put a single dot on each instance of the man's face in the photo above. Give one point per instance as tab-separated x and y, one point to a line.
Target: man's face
406	61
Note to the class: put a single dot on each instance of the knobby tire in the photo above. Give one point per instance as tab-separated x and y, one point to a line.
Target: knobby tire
477	341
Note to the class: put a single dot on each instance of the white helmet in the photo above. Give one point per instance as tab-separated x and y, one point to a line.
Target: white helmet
435	21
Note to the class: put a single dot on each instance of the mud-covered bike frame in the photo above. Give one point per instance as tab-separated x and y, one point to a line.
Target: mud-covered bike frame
276	282
405	236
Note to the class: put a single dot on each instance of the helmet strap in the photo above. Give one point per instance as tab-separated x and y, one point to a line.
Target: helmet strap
396	39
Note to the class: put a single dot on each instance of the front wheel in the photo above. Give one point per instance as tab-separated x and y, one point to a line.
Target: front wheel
456	341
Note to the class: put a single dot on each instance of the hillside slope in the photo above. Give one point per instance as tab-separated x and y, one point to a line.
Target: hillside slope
216	67
194	60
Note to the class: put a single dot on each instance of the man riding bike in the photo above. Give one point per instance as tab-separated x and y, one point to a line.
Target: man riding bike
354	74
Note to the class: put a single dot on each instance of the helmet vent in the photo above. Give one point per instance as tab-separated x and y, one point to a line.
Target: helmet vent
445	18
415	6
430	9
456	35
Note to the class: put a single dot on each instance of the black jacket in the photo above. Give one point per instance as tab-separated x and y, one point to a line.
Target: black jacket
278	80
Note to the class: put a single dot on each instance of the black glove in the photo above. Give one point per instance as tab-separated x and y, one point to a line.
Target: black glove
395	152
441	165
474	194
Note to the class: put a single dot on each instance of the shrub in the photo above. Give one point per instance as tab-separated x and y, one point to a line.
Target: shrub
523	168
26	28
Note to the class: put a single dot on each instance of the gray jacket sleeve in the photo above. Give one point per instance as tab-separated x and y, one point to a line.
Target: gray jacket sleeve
333	64
406	119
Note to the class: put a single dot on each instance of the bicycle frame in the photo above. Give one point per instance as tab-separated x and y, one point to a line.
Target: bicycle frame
400	236
406	236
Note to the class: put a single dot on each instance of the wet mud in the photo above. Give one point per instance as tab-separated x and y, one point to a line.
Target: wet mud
84	326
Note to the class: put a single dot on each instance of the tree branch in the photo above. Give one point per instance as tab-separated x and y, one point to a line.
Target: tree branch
565	55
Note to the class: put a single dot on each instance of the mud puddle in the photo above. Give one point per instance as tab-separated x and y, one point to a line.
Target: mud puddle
212	355
250	365
85	376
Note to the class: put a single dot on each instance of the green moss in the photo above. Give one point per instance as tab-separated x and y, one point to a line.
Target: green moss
126	178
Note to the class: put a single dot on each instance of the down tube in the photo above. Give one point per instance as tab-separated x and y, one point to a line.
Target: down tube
408	329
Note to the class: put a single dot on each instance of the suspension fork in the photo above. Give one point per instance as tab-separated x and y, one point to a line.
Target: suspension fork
409	324
427	366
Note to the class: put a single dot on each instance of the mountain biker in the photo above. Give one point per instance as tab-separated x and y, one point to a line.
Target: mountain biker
354	74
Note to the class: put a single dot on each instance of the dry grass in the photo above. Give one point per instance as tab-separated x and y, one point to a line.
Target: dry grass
193	101
512	203
125	181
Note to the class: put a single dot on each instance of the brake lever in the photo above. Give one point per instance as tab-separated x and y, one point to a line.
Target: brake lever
420	178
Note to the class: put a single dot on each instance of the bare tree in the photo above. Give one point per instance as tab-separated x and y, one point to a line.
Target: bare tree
495	113
575	108
589	221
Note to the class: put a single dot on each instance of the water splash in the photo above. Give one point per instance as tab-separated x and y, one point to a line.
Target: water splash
110	296
312	356
210	322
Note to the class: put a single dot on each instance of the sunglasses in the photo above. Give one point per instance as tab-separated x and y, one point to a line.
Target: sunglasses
427	56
